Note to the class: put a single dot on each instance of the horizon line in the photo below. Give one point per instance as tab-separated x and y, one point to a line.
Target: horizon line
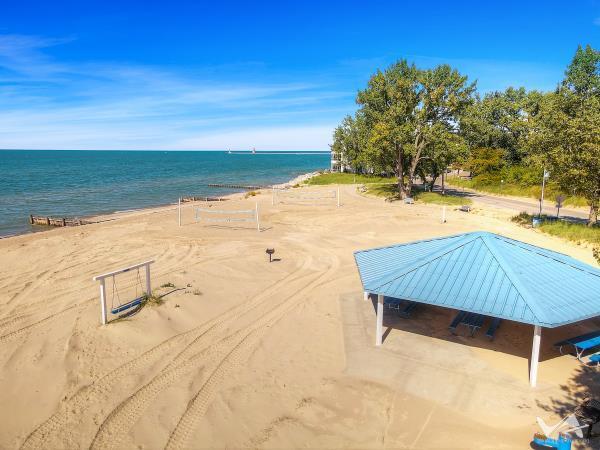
157	150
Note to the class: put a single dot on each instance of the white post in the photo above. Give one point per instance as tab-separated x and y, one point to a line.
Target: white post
103	300
444	214
257	221
148	285
379	329
179	210
535	355
366	296
542	198
338	196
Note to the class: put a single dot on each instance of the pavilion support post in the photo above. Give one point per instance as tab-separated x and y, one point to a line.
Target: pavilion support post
379	329
535	355
366	296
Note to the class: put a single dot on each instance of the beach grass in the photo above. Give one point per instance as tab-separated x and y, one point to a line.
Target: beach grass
571	231
517	190
345	178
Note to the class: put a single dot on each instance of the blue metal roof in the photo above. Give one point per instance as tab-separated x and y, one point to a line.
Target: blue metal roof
488	274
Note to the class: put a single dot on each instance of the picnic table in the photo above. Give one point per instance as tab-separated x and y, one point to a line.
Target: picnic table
473	321
404	308
581	343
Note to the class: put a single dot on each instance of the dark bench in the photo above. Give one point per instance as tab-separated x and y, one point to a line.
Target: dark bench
491	332
408	308
457	321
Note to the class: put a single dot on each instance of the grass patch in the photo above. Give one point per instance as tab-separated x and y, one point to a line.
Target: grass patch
390	191
345	178
438	199
571	231
517	190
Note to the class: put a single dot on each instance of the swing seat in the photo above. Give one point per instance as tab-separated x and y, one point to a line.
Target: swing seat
128	305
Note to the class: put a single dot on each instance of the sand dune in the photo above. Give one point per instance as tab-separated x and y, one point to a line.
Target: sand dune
247	353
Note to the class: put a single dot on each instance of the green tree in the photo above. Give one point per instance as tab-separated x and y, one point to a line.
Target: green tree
485	160
410	111
442	152
349	141
387	104
582	77
500	121
565	134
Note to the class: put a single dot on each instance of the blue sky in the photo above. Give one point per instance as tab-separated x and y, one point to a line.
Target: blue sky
270	75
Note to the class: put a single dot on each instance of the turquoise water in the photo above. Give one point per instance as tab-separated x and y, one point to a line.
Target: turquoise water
82	183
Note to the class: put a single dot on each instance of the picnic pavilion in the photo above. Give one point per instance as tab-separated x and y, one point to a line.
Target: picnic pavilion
483	274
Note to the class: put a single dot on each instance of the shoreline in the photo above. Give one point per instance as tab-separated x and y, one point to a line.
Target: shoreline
219	291
115	215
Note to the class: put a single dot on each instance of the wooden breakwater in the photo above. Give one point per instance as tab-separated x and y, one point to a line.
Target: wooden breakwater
57	221
202	199
236	186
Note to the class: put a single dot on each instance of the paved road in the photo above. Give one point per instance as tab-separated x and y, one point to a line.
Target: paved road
518	205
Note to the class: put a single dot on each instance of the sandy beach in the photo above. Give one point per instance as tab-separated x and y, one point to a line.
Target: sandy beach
246	353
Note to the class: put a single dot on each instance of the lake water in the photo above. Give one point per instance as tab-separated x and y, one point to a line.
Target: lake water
68	183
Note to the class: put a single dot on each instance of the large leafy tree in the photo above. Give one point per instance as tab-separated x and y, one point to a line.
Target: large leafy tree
500	121
582	77
409	112
349	140
442	152
565	134
387	104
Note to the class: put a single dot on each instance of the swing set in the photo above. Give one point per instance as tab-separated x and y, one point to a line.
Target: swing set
117	306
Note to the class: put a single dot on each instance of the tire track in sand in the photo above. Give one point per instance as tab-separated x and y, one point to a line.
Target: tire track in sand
113	430
240	353
71	410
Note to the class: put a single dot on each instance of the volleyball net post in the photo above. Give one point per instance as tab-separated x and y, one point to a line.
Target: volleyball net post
179	211
257	219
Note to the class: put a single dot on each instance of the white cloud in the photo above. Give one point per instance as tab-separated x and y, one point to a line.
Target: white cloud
50	104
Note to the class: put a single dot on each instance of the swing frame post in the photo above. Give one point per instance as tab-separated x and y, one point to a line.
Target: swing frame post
148	285
102	280
103	300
